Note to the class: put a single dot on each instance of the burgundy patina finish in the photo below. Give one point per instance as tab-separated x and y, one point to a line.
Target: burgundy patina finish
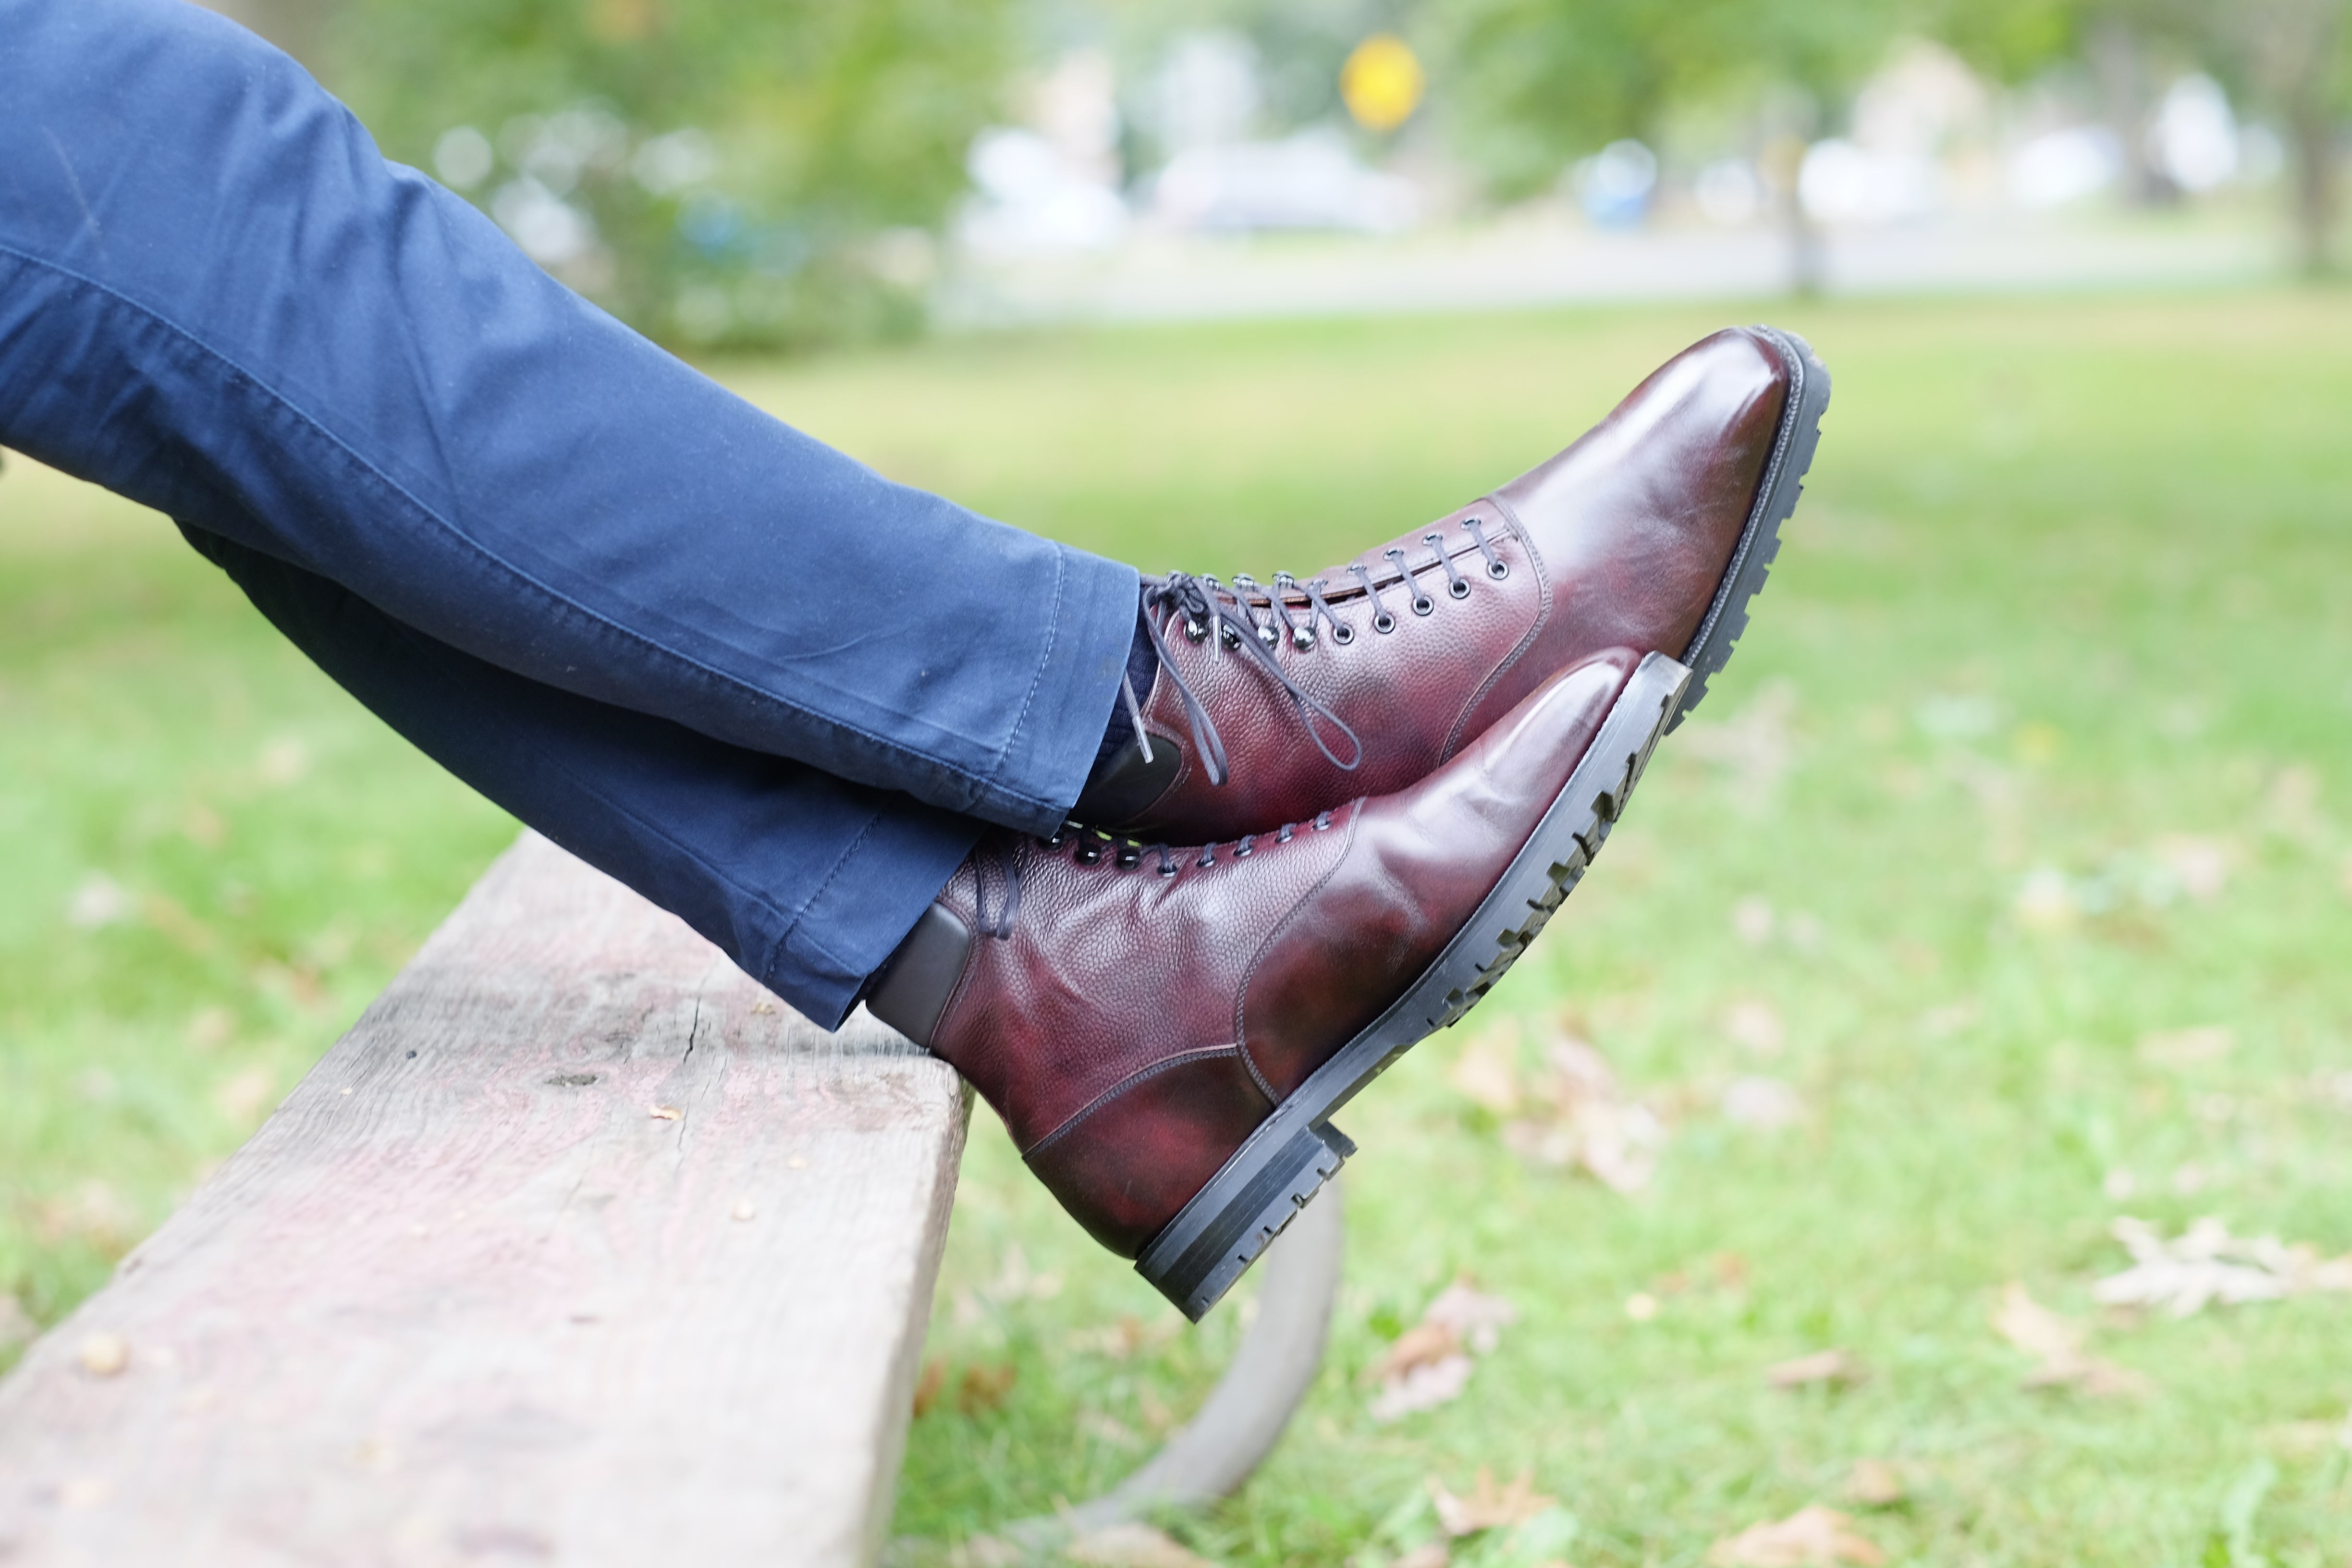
1132	1024
1624	540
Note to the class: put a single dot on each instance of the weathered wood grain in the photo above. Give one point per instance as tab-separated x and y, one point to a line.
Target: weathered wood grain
465	1299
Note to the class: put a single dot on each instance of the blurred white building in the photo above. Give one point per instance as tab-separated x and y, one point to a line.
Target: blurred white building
1052	184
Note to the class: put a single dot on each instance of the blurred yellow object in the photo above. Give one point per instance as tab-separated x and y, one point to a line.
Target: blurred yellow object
1382	82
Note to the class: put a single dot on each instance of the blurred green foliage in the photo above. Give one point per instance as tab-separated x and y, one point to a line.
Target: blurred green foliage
763	175
1538	81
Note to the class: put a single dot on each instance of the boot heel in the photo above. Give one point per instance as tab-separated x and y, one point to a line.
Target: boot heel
1290	1172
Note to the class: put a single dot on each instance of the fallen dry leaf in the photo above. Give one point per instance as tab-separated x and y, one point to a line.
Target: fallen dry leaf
2201	866
984	1388
103	1355
1755	1027
2045	901
1752	747
1812	1537
242	1096
1107	1429
2033	1327
1423	1344
2206	1264
1488	1506
1766	1104
1488	1072
927	1386
1422	1388
1874	1483
1821	1366
16	1325
1575	1114
665	1112
1429	1364
2185	1047
1476	1317
987	1551
1122	1338
2057	1346
1131	1546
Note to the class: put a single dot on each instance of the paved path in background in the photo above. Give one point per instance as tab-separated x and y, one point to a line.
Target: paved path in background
1165	279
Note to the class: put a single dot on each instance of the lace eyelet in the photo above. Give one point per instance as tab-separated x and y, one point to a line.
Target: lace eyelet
1461	589
1208	856
1230	638
1087	854
1242	850
1422	604
1194	631
1168	870
1128	858
1343	634
1498	570
1322	822
1267	636
1302	640
1384	622
1060	837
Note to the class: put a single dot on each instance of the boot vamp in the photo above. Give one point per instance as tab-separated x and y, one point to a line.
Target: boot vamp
1620	540
1635	525
1405	693
1111	973
1419	863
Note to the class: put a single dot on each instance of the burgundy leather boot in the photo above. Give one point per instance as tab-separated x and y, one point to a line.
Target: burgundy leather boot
1167	1032
1650	532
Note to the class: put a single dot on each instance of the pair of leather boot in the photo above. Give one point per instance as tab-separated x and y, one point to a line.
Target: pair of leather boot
1349	803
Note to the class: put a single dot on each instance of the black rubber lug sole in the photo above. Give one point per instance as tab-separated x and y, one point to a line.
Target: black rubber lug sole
1793	444
1196	1257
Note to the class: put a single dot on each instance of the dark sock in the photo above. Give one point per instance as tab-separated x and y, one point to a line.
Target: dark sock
1142	664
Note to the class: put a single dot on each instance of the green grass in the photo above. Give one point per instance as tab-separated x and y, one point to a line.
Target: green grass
2073	581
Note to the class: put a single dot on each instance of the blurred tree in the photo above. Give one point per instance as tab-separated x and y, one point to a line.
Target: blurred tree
2288	59
2294	58
1536	82
714	172
1301	46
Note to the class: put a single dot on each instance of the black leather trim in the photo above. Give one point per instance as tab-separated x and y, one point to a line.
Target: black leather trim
1126	786
920	977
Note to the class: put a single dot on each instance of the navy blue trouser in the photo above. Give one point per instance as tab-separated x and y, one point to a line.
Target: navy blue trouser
744	674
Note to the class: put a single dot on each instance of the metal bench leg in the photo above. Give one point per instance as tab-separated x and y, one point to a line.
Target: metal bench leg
1281	1351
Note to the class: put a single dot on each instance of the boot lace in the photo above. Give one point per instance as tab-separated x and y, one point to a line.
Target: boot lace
1207	608
999	857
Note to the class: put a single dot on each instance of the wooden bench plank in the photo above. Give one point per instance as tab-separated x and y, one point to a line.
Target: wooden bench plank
464	1298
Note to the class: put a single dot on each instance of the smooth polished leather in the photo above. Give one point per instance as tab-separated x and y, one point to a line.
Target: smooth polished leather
1133	1027
1622	541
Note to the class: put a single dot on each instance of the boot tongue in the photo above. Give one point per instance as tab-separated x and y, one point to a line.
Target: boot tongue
1124	785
